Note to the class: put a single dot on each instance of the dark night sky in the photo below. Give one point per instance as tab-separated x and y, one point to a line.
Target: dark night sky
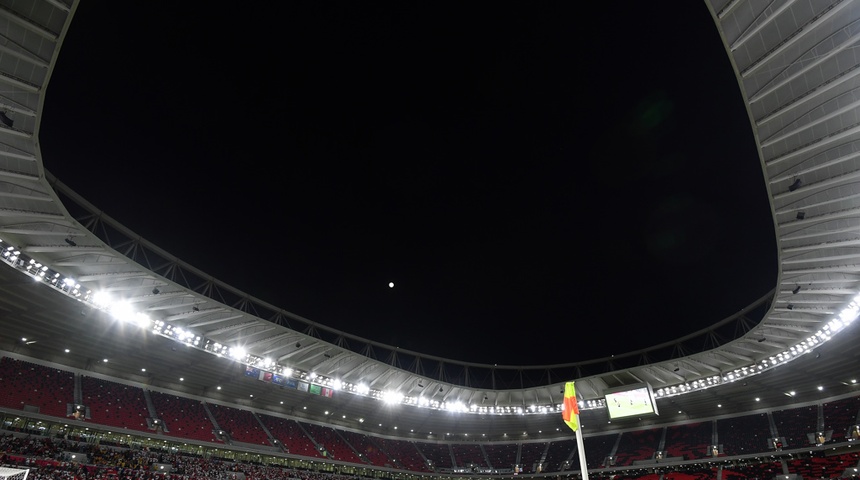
522	170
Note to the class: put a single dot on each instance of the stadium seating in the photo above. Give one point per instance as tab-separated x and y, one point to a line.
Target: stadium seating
531	455
689	441
184	418
28	384
557	453
637	445
821	466
333	443
598	448
794	424
468	455
691	474
502	455
405	454
291	435
841	414
367	448
438	454
744	434
240	424
755	470
115	404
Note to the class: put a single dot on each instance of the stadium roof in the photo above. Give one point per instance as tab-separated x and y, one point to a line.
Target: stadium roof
796	66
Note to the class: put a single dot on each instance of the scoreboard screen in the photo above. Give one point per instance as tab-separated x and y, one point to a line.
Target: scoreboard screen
630	402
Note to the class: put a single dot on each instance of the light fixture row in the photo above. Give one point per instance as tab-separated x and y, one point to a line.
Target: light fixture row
123	311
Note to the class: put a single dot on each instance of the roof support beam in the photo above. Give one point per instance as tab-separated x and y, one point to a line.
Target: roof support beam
14	17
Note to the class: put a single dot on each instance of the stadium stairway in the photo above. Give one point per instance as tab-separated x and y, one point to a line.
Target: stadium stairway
153	421
272	439
485	456
220	433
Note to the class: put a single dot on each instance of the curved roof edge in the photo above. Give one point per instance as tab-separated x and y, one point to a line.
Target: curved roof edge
798	78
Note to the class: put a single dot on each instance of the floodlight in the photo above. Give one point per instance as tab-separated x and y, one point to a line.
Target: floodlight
142	320
122	311
101	299
392	397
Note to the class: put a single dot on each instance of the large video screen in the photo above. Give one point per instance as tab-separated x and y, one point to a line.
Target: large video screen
635	401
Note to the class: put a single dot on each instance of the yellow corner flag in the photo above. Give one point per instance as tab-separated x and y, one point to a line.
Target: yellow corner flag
570	410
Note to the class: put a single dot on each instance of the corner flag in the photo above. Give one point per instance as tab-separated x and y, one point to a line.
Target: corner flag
570	414
570	410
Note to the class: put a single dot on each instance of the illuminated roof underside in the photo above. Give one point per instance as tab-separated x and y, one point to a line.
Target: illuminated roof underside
796	64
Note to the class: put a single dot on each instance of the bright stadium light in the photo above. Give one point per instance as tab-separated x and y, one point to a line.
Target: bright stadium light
101	299
142	320
238	353
392	397
850	313
122	311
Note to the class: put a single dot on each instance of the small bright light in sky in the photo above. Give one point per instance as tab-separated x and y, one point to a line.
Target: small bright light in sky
390	284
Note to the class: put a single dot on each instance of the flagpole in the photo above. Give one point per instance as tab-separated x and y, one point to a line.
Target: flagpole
570	415
581	446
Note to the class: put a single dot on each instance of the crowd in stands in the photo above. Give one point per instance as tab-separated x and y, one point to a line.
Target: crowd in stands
35	388
48	459
51	458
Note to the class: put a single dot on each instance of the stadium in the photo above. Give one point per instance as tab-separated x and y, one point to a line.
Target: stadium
120	360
